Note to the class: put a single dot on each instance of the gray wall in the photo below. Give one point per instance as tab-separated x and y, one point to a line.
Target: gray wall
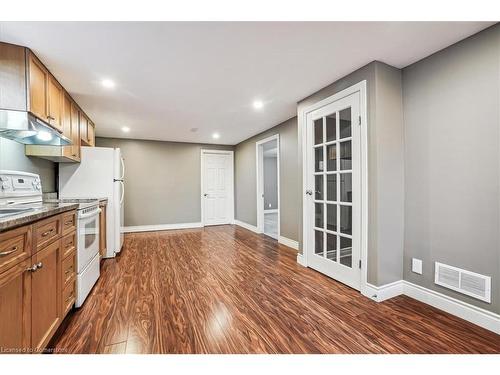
245	179
385	165
452	162
12	157
173	195
270	171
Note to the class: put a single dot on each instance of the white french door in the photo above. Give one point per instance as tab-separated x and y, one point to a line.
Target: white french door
217	187
333	190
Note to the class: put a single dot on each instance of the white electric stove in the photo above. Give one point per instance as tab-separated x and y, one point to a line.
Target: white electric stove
21	192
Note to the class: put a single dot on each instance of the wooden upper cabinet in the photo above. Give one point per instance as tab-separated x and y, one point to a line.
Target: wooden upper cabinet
38	78
91	134
12	77
55	103
75	123
84	124
27	85
46	288
71	128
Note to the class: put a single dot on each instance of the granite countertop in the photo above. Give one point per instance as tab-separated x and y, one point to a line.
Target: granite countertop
39	211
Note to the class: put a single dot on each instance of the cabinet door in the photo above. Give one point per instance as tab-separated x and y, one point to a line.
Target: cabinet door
55	103
91	134
84	123
46	294
38	77
75	125
67	126
15	307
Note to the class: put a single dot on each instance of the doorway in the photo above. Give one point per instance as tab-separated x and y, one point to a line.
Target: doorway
334	193
268	186
217	187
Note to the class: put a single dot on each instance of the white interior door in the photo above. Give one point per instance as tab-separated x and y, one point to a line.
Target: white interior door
333	190
217	187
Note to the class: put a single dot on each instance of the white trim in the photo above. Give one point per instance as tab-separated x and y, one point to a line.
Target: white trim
300	260
159	227
384	292
483	318
271	211
464	310
288	242
250	227
204	151
259	162
361	87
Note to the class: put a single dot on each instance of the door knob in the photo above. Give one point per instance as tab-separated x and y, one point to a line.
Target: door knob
309	192
205	195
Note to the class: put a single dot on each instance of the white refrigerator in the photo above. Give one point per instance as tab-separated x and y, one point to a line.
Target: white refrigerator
99	174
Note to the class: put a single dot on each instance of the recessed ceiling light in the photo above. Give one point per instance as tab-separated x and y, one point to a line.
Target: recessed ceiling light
125	129
258	104
216	136
109	84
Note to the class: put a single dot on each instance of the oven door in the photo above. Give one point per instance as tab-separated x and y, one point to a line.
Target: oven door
88	236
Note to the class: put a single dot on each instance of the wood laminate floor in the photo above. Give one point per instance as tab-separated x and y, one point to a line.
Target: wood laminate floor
227	290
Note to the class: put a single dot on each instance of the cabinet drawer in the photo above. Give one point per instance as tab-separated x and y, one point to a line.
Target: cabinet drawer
46	231
68	297
69	244
68	268
68	222
15	246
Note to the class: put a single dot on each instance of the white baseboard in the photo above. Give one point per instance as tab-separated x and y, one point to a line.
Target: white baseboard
383	292
250	227
288	242
159	227
466	311
300	260
481	317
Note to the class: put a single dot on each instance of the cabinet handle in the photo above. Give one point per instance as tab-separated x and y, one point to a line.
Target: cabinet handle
45	234
4	253
68	271
39	265
50	118
69	222
33	268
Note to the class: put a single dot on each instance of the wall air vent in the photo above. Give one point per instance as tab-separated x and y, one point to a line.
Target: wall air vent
462	281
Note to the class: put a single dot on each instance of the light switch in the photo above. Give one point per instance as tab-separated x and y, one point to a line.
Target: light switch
416	265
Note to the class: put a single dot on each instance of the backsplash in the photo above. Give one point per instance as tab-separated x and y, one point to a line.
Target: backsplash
12	157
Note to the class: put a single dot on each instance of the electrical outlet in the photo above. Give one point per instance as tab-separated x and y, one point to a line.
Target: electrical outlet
416	265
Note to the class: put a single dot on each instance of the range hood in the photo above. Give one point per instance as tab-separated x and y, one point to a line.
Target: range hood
23	127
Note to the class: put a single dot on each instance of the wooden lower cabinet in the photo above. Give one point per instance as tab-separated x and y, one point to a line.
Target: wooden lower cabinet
46	293
15	308
37	292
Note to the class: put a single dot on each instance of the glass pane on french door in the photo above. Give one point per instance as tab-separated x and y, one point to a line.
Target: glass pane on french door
333	218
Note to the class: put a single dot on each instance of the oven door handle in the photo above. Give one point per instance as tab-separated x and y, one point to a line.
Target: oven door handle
90	214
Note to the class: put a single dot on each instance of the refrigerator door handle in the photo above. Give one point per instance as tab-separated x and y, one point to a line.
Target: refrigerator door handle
123	192
123	168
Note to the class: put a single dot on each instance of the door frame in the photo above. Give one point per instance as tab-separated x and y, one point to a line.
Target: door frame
203	152
307	216
259	160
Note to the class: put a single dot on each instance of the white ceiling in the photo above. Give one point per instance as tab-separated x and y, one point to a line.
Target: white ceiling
173	76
